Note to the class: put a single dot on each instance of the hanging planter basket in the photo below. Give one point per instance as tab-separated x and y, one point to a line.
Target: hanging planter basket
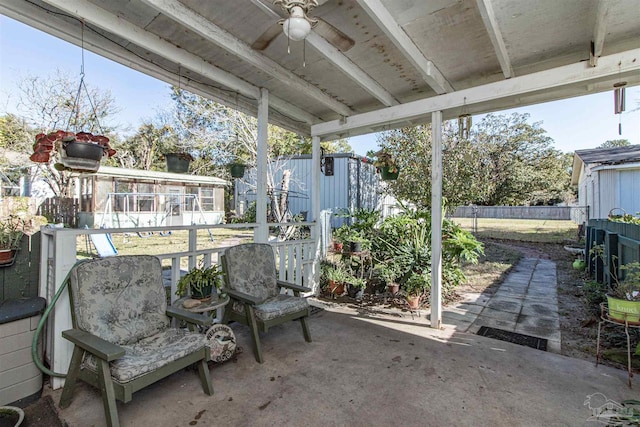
78	152
178	162
388	176
237	170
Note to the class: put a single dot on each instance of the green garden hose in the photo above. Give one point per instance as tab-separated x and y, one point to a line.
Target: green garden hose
43	319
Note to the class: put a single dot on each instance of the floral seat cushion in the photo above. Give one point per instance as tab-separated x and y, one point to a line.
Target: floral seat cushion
254	271
150	354
275	307
121	300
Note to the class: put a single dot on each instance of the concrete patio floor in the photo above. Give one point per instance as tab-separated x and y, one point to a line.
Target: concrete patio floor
370	371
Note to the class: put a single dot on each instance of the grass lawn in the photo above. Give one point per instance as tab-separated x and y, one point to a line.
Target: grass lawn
491	268
177	241
524	230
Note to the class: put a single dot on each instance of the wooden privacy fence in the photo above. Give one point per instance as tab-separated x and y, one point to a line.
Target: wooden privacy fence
21	280
578	214
61	210
620	243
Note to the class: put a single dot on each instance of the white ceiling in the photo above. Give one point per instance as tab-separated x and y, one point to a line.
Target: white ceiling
409	58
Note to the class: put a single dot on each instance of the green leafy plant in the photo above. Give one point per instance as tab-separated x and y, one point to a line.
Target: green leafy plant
198	280
11	232
417	284
384	159
334	273
389	272
629	287
630	415
357	282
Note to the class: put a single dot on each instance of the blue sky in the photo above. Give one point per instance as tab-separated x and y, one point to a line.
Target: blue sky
574	124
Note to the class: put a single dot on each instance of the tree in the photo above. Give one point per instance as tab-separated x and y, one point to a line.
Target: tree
16	139
216	136
144	149
612	143
506	161
55	102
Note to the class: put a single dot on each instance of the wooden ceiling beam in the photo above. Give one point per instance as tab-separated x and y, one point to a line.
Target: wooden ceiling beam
430	73
543	86
146	40
222	38
340	60
493	29
599	32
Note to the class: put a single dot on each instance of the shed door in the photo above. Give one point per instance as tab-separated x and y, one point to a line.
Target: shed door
629	189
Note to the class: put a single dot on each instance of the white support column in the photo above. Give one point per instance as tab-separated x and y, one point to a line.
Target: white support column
261	234
61	248
436	219
315	211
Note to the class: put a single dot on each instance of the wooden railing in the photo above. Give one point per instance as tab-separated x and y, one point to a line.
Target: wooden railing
295	262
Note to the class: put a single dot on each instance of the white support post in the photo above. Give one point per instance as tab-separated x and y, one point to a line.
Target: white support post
436	219
315	212
59	246
261	234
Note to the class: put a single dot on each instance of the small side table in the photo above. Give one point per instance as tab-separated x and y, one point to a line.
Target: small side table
210	307
604	317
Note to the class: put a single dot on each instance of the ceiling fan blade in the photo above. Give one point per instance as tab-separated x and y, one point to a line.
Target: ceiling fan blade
337	38
267	37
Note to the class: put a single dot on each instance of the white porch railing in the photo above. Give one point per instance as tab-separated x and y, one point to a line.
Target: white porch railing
295	259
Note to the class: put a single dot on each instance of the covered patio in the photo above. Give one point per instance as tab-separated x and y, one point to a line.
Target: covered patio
367	66
364	371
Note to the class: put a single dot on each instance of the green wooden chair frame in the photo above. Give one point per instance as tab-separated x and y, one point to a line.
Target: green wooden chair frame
249	317
106	352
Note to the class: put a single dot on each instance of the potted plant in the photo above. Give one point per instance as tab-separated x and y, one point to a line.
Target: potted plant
415	287
200	282
341	237
80	151
389	272
11	232
237	169
387	165
178	162
334	277
11	416
356	286
623	300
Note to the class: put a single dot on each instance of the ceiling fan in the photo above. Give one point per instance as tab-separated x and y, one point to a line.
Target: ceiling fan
298	23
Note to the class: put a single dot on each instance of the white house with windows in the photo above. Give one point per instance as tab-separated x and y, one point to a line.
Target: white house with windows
608	180
119	197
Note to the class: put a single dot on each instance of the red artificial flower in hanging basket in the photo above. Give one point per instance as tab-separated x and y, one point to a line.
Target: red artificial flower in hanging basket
80	152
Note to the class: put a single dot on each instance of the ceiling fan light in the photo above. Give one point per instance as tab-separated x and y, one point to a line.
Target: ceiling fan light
296	28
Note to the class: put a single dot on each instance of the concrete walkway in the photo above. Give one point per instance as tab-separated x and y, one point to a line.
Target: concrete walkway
526	303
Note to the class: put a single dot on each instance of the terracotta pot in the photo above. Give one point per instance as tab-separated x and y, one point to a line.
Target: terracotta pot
413	301
7	256
336	288
393	288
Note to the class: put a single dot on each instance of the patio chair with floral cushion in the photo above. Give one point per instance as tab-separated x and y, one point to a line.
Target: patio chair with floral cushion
122	333
254	291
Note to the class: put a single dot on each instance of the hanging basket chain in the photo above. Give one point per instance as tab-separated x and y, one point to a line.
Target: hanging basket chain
76	103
